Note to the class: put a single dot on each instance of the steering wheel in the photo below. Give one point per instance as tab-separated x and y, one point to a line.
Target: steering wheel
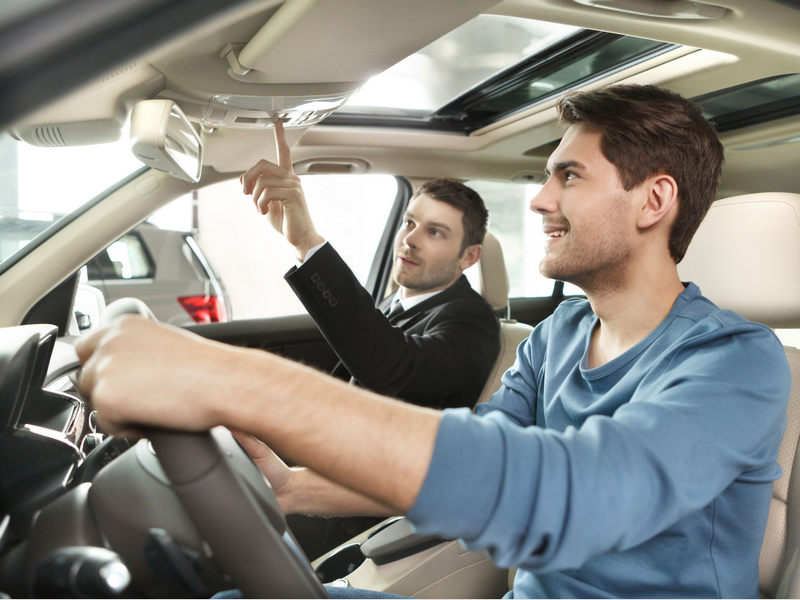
230	503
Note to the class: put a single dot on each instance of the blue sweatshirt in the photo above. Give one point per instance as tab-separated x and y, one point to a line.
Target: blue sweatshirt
650	475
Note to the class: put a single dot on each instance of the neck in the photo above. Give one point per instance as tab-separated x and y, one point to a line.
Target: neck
630	312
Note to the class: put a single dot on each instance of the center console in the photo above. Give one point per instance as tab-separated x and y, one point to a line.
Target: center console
392	558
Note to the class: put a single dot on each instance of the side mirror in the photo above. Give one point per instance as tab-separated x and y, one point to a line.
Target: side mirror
87	309
163	138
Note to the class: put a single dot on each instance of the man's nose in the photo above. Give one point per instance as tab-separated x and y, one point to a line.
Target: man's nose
545	201
412	238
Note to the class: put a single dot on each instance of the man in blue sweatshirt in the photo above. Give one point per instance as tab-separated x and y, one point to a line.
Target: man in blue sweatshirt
632	448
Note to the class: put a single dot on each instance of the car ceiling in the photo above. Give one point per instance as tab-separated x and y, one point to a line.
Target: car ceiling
304	47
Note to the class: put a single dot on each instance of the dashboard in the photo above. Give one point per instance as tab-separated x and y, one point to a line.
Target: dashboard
50	442
81	516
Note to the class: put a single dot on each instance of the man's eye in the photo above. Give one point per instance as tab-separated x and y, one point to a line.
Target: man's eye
436	233
569	175
407	223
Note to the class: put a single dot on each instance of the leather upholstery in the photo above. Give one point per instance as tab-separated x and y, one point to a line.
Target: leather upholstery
746	257
493	285
492	280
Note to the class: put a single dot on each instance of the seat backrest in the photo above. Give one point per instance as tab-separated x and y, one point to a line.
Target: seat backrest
489	276
746	257
492	283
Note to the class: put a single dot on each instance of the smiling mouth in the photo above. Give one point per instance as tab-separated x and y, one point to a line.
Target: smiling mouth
551	235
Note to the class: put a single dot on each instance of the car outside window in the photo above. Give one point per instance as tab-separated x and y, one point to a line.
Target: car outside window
519	231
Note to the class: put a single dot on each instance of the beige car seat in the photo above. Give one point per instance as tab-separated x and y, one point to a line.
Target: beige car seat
746	257
492	284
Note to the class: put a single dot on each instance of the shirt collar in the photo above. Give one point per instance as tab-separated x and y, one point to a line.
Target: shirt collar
409	303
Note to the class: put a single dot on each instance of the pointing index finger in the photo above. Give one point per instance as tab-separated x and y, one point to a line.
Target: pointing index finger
284	154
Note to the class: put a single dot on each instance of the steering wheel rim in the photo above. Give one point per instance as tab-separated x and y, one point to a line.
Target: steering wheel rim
234	510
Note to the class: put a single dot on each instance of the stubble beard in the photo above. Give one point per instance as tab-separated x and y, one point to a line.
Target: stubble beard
595	271
597	264
430	279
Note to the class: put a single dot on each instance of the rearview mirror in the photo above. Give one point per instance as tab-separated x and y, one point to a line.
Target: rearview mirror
163	138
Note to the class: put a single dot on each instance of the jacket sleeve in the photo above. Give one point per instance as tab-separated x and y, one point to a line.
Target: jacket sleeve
549	500
455	352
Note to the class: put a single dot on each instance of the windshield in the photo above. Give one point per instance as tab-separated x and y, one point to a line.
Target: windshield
40	186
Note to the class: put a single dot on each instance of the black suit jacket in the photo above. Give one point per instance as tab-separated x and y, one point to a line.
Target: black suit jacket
437	354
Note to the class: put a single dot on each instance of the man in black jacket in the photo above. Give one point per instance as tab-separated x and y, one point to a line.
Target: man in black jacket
432	343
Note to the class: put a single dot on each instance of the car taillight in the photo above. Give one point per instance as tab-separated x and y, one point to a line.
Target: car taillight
204	309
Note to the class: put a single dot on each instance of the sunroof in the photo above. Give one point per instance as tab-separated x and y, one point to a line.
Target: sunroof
533	88
487	69
445	69
752	103
578	59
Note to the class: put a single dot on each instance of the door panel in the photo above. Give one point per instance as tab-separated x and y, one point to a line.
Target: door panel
295	337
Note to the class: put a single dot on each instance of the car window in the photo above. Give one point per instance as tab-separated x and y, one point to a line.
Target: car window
41	185
789	337
249	258
126	258
519	232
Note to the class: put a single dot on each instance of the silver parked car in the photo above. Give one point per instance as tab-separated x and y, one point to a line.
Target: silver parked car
167	270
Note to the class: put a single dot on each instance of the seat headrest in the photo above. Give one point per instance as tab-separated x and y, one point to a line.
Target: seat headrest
746	257
492	279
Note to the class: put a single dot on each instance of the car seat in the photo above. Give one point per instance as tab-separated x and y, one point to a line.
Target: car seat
491	282
746	257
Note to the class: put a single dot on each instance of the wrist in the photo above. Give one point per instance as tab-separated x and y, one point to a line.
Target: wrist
311	241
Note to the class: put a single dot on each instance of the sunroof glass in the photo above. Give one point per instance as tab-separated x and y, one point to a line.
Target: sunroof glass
756	102
445	69
621	51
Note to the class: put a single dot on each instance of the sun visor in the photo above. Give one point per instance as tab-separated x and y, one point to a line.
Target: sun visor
364	38
308	58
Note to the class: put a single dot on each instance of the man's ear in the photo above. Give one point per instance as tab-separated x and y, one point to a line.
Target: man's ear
470	256
661	197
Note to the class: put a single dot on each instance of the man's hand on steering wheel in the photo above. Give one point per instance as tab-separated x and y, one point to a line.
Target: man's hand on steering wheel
138	371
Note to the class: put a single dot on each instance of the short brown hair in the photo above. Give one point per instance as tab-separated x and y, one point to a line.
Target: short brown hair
649	131
475	215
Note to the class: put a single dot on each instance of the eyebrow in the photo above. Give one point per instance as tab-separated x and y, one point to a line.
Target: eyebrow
562	166
431	223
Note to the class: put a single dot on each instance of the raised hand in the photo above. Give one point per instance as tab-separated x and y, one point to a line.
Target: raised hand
278	194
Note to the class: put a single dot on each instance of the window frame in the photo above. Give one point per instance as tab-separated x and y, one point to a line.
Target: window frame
151	272
379	279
